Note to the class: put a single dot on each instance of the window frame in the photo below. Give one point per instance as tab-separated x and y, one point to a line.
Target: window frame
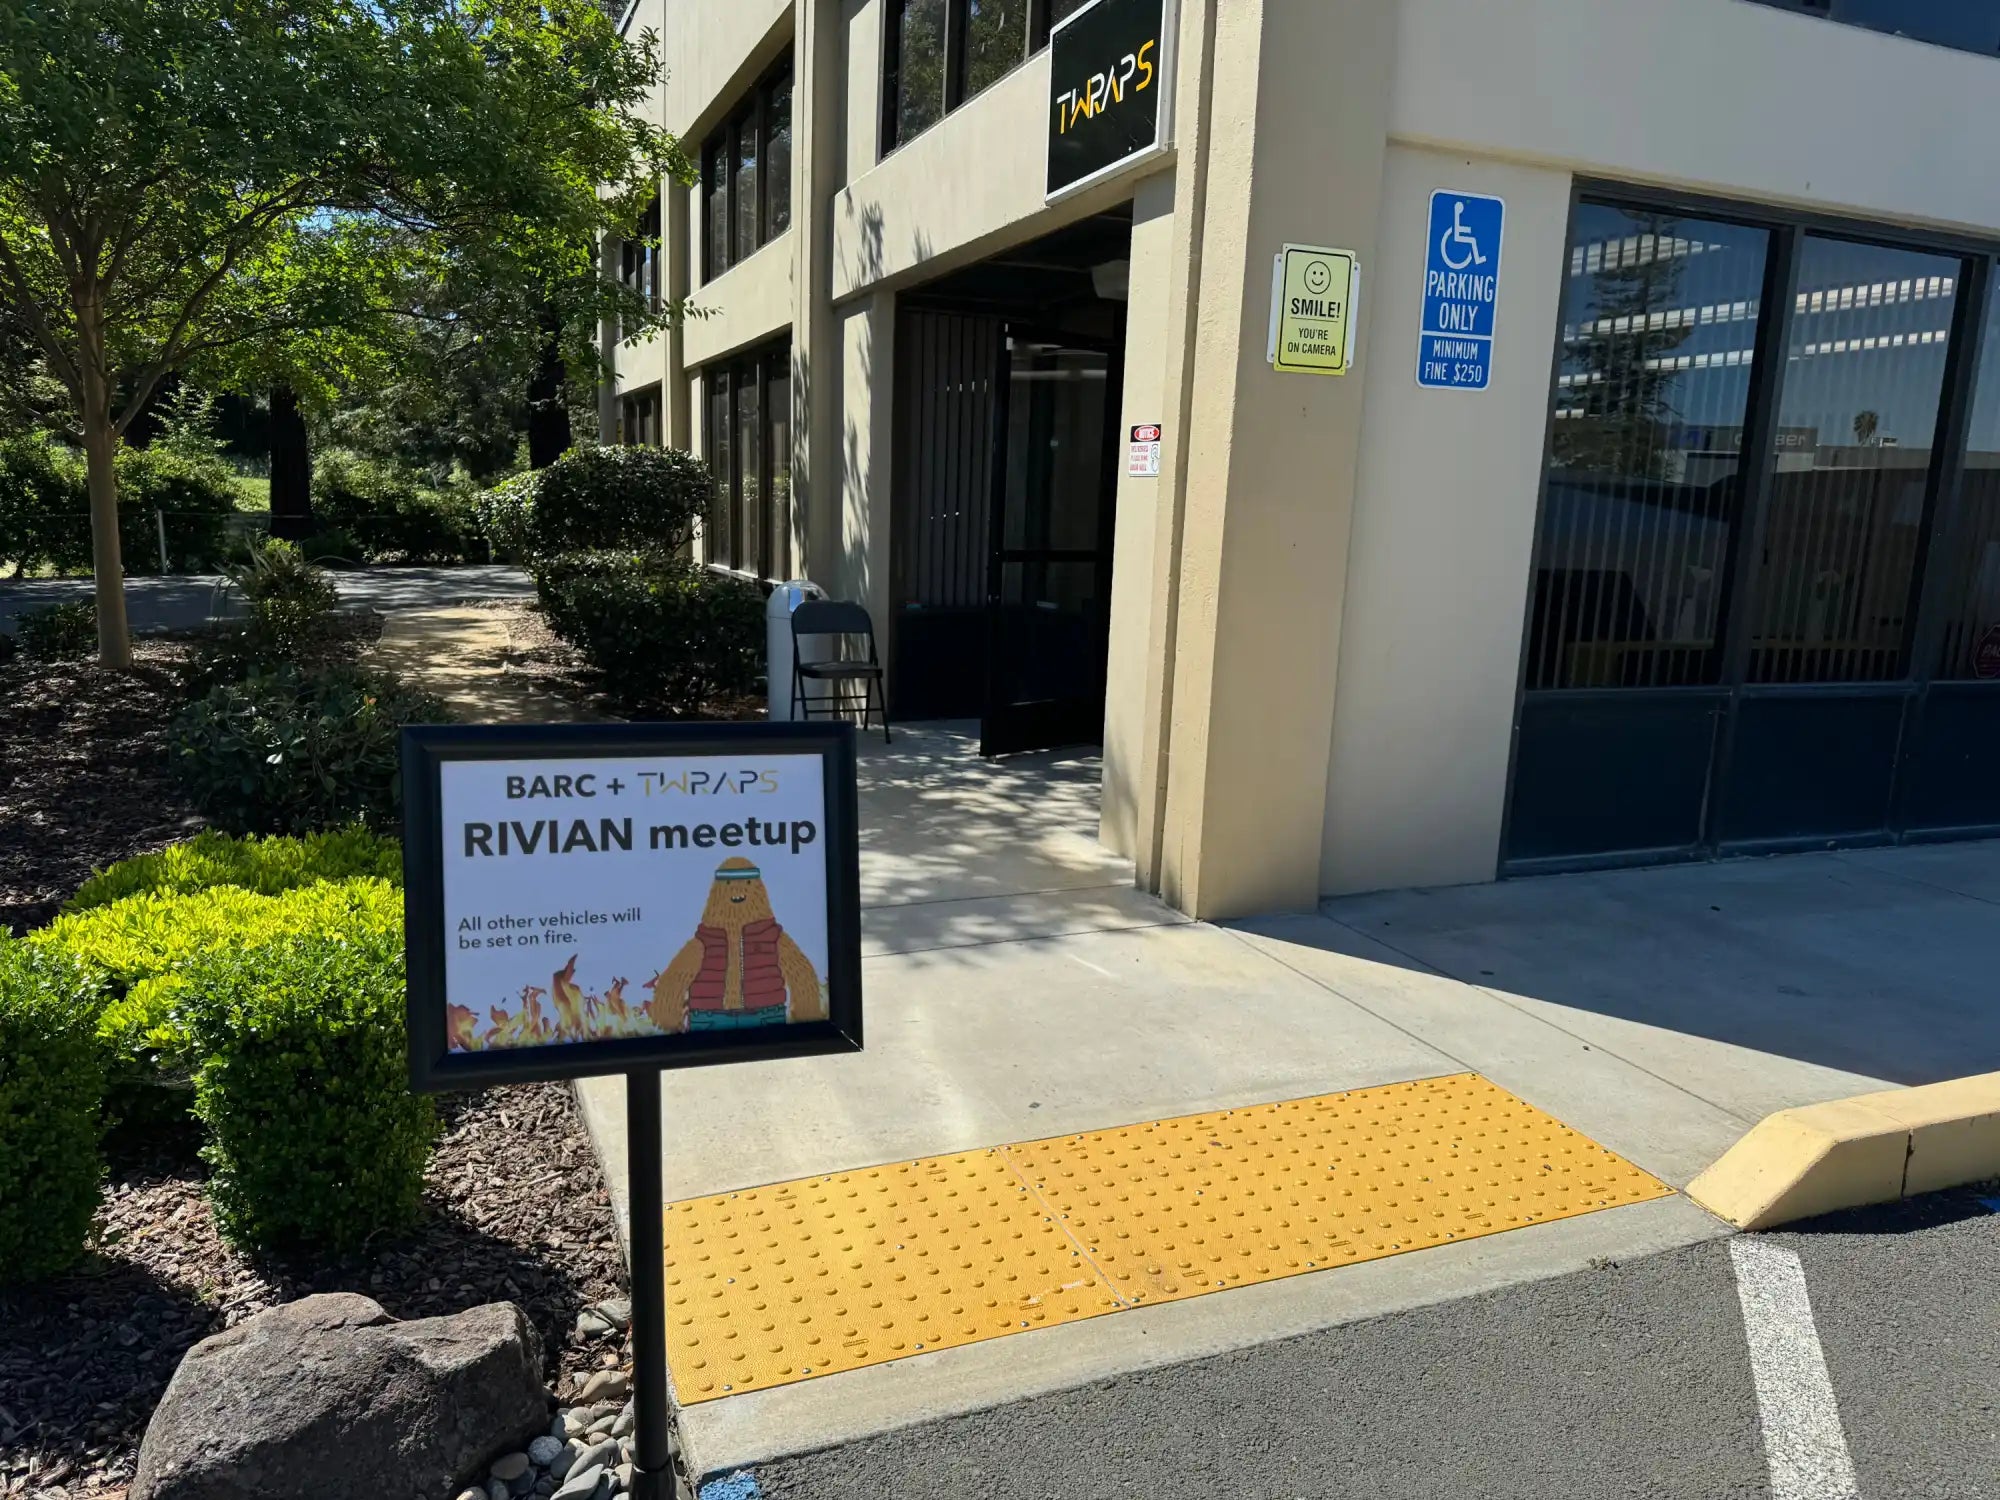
752	112
722	547
1822	10
1944	516
639	261
1037	20
635	405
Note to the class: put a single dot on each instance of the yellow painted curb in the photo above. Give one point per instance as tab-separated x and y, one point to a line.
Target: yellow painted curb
1873	1148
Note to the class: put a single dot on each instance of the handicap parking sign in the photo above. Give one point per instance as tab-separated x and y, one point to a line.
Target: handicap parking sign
1461	291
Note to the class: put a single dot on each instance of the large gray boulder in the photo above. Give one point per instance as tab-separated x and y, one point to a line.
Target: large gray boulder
330	1396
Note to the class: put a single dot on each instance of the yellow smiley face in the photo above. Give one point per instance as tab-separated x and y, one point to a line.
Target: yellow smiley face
1319	276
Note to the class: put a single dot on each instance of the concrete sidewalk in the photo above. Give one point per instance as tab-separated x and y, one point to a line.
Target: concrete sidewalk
1017	987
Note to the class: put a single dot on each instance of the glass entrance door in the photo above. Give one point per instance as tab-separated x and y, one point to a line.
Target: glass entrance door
1049	574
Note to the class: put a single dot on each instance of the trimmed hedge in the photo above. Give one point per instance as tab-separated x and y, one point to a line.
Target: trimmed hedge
155	931
268	866
292	751
142	947
668	635
314	1138
646	499
51	1089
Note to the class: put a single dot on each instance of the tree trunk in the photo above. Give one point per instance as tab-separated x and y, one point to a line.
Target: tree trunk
291	468
100	452
549	436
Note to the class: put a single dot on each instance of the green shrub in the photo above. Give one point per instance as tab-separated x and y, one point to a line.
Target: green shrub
142	946
294	750
290	602
268	866
506	518
59	632
637	498
392	516
51	1087
156	931
667	634
314	1138
44	507
197	493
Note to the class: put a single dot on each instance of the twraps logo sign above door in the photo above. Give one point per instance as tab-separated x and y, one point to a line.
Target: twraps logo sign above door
1110	91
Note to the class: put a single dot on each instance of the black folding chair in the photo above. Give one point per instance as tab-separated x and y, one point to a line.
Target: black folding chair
852	682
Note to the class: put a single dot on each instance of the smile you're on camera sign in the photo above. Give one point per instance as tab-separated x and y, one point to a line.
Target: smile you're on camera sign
589	899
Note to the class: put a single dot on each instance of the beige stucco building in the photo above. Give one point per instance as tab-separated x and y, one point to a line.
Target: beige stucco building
1696	560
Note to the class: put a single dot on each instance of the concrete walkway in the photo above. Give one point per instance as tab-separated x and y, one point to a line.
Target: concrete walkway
1018	987
186	602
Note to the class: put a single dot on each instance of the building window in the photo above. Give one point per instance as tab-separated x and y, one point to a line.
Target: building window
639	265
940	53
640	423
1968	25
748	417
1834	586
746	175
1643	495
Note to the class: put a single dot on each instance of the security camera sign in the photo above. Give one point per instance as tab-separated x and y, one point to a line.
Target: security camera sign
580	903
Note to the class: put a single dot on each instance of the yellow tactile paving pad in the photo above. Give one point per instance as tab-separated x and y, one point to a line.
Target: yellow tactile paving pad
801	1279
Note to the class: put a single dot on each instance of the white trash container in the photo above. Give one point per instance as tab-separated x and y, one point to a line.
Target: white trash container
785	598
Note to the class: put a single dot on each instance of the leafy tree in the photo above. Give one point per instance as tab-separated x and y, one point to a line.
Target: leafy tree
249	189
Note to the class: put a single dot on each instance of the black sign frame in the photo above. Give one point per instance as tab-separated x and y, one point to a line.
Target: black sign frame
435	1068
1080	47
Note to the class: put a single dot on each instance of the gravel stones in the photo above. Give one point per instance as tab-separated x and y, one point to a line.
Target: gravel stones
606	1385
582	1485
509	1467
543	1450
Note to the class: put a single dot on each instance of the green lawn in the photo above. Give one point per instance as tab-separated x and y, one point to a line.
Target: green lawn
252	492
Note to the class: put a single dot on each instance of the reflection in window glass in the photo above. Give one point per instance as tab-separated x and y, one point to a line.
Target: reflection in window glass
748	550
919	67
1969	560
778	436
1971	25
996	41
1645	470
746	186
715	173
778	160
718	544
1857	416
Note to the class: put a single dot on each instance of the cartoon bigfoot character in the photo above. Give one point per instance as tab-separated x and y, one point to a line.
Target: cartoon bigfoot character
739	967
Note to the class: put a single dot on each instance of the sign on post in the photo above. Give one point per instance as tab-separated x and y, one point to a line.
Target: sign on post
1461	291
1313	296
1110	86
592	898
586	899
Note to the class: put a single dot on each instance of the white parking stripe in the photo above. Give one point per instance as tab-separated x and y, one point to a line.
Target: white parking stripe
1803	1444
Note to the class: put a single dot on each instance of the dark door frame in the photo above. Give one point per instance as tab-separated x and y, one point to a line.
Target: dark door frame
1012	728
1941	530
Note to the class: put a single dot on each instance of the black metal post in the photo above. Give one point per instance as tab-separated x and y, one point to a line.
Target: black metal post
652	1453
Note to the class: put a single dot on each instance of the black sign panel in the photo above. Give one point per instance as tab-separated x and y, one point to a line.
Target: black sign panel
589	899
1108	87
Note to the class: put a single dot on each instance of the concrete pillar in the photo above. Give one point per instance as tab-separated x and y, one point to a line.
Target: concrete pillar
858	565
819	115
1288	145
1148	332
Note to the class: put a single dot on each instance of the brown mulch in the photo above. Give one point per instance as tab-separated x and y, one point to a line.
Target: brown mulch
552	665
514	1209
83	774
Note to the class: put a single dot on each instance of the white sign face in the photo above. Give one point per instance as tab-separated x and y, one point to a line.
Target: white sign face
1142	457
632	897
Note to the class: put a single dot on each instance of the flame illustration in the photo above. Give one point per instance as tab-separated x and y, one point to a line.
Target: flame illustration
579	1017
